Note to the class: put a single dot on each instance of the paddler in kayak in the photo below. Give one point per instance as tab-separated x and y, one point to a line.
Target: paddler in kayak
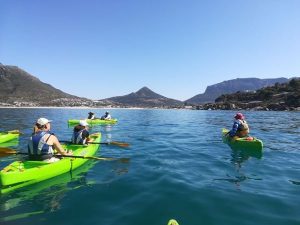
106	116
91	116
81	133
42	143
240	127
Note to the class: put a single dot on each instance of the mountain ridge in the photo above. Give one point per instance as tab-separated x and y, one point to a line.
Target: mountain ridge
232	86
144	97
19	88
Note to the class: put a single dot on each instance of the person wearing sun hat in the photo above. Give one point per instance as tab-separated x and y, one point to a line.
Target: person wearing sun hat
81	133
42	143
240	127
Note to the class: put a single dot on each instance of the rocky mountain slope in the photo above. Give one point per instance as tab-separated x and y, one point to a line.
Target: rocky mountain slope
19	88
279	97
232	86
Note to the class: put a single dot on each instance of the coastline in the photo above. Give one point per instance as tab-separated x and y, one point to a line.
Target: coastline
208	107
68	107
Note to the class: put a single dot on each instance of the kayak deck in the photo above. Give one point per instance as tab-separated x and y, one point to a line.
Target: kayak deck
22	173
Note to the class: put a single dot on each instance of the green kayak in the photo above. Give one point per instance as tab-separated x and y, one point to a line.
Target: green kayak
249	143
23	173
94	122
8	136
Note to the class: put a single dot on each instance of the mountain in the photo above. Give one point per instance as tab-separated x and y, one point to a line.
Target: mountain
142	98
19	88
279	97
232	86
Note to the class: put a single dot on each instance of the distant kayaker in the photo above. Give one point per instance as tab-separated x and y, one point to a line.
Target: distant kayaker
91	116
42	143
81	133
240	127
106	116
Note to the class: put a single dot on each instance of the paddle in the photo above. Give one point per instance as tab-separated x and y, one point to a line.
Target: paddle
120	144
12	132
8	151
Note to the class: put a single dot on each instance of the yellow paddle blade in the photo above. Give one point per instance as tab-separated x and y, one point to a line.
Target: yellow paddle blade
121	144
6	151
14	132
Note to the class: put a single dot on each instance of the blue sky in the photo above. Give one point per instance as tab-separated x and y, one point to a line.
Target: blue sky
104	48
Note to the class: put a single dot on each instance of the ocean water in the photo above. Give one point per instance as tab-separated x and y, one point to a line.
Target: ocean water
179	168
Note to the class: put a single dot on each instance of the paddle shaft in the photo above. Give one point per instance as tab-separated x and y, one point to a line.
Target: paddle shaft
8	151
120	144
89	142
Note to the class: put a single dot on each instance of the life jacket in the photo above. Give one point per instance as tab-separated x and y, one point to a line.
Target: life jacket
38	148
91	117
243	125
106	117
77	137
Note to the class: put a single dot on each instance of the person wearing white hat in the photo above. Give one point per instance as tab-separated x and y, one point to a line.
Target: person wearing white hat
42	143
81	133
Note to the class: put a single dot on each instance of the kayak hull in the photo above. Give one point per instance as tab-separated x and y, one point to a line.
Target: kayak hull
5	137
249	143
22	173
94	122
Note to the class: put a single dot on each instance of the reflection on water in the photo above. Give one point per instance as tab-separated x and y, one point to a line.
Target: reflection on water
48	195
239	156
107	132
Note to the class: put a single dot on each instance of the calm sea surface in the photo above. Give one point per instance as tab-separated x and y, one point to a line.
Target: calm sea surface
178	168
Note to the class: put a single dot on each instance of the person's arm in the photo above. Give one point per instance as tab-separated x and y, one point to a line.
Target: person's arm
86	135
234	129
58	146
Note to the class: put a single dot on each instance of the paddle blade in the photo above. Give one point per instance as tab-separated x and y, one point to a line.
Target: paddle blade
120	144
14	132
123	160
6	151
